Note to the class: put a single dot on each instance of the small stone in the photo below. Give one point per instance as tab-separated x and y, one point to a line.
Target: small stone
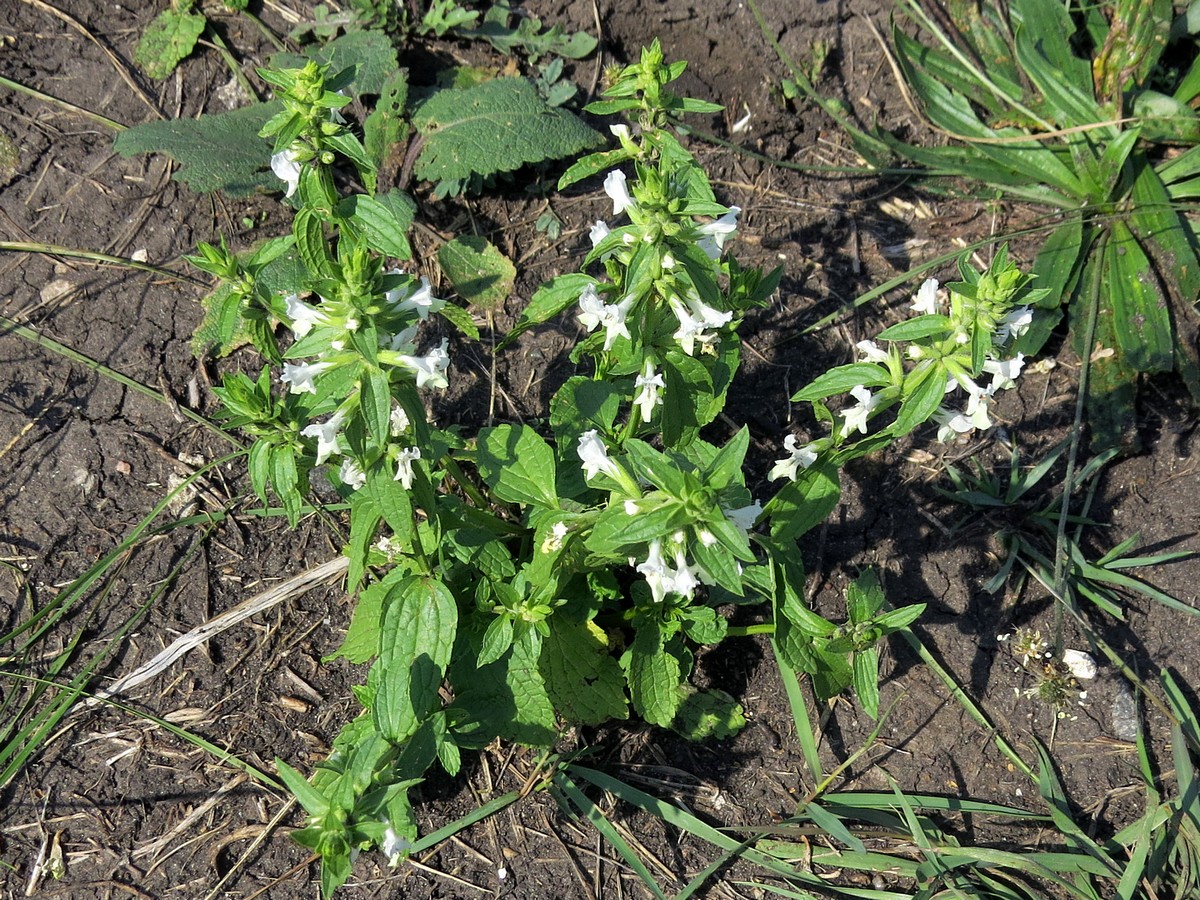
1124	712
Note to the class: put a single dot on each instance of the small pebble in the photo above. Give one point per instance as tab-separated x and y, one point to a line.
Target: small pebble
1124	712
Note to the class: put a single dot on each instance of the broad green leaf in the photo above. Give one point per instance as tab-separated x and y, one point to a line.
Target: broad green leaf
392	500
221	152
533	721
168	40
842	379
376	403
1163	234
707	714
686	398
368	52
804	503
1070	99
655	467
1057	267
497	126
583	405
366	625
864	596
704	625
582	678
383	220
480	273
386	126
833	673
365	517
518	465
616	531
420	619
1141	314
550	300
593	164
310	798
497	640
654	677
310	242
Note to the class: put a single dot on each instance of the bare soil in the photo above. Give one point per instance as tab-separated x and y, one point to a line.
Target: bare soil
139	812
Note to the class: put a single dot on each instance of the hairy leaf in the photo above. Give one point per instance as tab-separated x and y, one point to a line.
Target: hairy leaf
168	40
497	126
518	465
480	273
584	681
221	152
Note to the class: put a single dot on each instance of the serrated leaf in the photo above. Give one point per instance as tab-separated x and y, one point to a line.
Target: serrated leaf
497	126
582	404
361	643
480	273
392	500
916	328
518	465
383	220
386	126
707	714
804	503
533	722
654	677
168	40
369	52
866	680
420	620
460	319
497	640
221	152
584	682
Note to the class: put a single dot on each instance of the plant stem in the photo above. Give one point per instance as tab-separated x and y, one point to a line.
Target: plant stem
747	630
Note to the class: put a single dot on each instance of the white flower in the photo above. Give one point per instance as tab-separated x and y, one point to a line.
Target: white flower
620	132
404	467
715	234
925	301
951	424
872	352
599	232
300	377
594	456
430	369
614	186
977	408
695	321
393	846
303	316
352	474
420	299
399	421
655	570
594	312
683	579
801	457
327	435
856	416
651	384
1004	372
707	538
286	167
1081	664
1015	324
744	517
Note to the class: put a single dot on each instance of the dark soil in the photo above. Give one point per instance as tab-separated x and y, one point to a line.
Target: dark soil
138	811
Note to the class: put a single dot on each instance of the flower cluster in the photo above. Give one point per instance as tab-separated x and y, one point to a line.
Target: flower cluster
960	342
332	330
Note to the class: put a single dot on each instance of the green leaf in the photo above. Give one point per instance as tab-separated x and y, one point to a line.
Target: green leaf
368	52
518	465
420	620
864	596
497	640
1141	316
842	379
221	152
584	681
582	405
593	164
383	220
168	40
310	242
497	126
707	714
616	531
533	721
386	126
922	402
550	300
866	680
392	500
654	677
480	273
916	328
310	798
804	503
366	625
